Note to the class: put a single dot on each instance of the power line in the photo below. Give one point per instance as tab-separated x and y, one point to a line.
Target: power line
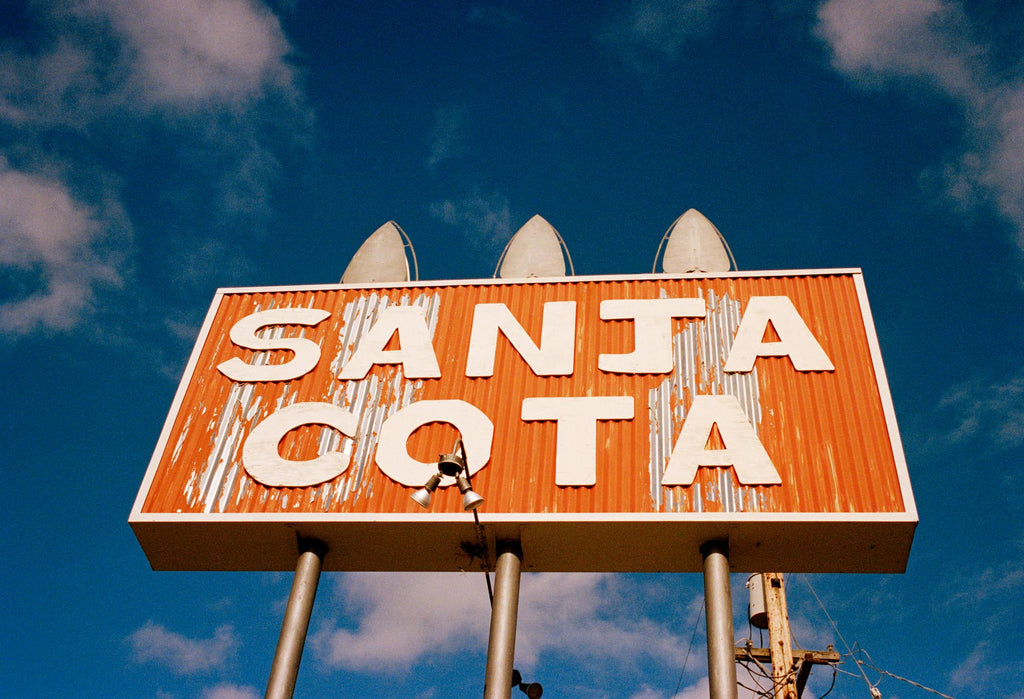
693	636
870	662
872	687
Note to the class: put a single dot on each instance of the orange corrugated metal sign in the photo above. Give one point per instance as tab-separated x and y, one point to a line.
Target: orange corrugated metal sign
611	423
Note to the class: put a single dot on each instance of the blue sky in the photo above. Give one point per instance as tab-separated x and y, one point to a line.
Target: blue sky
152	152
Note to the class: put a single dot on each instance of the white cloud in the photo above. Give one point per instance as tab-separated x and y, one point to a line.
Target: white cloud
486	222
186	656
880	39
657	28
52	256
701	689
934	42
589	616
403	619
190	53
178	57
215	75
230	691
647	692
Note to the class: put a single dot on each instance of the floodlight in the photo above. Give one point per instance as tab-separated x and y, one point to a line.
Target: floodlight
422	496
470	498
533	690
452	465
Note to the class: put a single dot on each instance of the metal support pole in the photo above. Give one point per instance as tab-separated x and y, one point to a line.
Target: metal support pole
501	646
285	669
718	600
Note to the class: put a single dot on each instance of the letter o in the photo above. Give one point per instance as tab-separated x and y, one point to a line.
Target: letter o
262	459
393	458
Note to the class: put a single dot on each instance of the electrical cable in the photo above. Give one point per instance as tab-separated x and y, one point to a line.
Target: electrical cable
832	686
916	684
758	692
870	662
686	659
775	682
835	628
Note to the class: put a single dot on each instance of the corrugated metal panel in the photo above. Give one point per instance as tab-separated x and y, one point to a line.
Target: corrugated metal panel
826	432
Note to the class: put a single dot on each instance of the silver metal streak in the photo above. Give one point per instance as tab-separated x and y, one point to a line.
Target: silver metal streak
501	646
285	669
718	599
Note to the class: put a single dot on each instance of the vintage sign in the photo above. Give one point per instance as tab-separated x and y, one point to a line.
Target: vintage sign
610	423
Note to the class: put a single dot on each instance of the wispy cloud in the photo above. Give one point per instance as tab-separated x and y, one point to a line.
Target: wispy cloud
990	412
448	136
646	32
977	589
186	656
111	83
485	221
494	16
402	619
934	42
980	669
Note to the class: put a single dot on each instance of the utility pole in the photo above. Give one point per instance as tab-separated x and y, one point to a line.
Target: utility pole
783	678
790	668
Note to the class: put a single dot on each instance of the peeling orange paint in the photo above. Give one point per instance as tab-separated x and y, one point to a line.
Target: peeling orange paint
827	433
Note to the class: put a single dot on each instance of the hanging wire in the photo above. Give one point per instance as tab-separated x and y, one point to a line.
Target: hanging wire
831	686
686	659
762	672
860	663
836	629
871	663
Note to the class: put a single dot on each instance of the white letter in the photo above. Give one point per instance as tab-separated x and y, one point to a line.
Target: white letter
652	332
243	334
554	357
393	458
743	450
576	441
262	460
795	339
416	353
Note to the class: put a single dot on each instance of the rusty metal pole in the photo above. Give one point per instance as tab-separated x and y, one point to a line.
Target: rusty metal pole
285	669
501	645
718	600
